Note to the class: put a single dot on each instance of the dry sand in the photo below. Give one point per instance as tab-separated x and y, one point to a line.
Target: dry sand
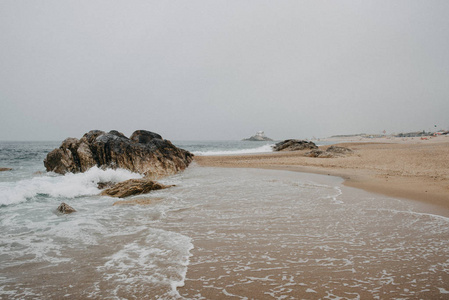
399	167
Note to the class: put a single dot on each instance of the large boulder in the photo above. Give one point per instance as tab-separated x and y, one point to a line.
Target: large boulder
145	153
133	187
294	145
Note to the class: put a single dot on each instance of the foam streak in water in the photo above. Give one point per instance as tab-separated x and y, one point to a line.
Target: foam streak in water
158	260
262	149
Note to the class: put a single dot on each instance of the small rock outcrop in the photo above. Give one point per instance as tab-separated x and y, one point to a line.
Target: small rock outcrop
65	208
144	152
133	187
339	150
319	153
294	145
5	169
332	151
258	137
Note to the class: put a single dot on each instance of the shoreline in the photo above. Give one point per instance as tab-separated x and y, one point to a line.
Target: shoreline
412	170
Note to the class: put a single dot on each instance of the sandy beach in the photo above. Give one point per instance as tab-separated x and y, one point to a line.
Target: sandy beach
399	167
227	233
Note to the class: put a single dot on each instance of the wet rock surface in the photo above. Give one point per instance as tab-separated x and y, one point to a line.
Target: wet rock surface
144	152
133	187
103	185
65	208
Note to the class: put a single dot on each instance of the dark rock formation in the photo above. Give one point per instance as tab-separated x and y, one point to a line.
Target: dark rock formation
258	137
338	150
5	169
145	152
133	187
294	145
319	153
332	151
65	208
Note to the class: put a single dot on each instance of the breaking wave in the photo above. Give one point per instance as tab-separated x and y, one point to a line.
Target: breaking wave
67	186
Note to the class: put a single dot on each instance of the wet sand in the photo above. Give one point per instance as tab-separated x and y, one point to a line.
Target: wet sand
362	247
305	236
402	168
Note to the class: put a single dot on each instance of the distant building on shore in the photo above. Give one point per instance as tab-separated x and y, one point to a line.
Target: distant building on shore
259	136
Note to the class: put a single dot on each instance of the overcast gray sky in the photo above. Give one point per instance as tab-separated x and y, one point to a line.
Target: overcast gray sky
199	70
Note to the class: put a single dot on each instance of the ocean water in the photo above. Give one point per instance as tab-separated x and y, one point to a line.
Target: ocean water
225	147
231	147
218	234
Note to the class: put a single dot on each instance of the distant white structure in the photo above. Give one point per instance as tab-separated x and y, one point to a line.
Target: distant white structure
260	136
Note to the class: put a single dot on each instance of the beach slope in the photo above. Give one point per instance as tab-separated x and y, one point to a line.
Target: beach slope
405	168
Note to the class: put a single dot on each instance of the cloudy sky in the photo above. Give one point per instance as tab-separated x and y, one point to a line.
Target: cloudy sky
201	70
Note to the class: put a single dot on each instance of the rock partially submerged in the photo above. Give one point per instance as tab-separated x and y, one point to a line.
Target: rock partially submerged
144	152
5	169
103	185
65	208
332	151
294	145
133	187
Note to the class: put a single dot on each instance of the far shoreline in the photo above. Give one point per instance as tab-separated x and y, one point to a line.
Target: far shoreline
406	168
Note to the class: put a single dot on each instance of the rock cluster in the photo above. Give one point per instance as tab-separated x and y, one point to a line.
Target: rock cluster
144	152
133	187
332	151
294	145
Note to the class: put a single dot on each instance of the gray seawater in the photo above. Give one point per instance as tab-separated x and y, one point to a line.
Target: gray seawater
219	233
231	147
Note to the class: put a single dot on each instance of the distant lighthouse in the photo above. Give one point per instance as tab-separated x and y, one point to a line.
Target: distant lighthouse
260	136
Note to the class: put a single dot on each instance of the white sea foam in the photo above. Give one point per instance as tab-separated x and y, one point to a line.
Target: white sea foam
159	260
290	233
67	186
262	149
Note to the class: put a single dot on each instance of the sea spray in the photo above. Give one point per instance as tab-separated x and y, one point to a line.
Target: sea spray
57	186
